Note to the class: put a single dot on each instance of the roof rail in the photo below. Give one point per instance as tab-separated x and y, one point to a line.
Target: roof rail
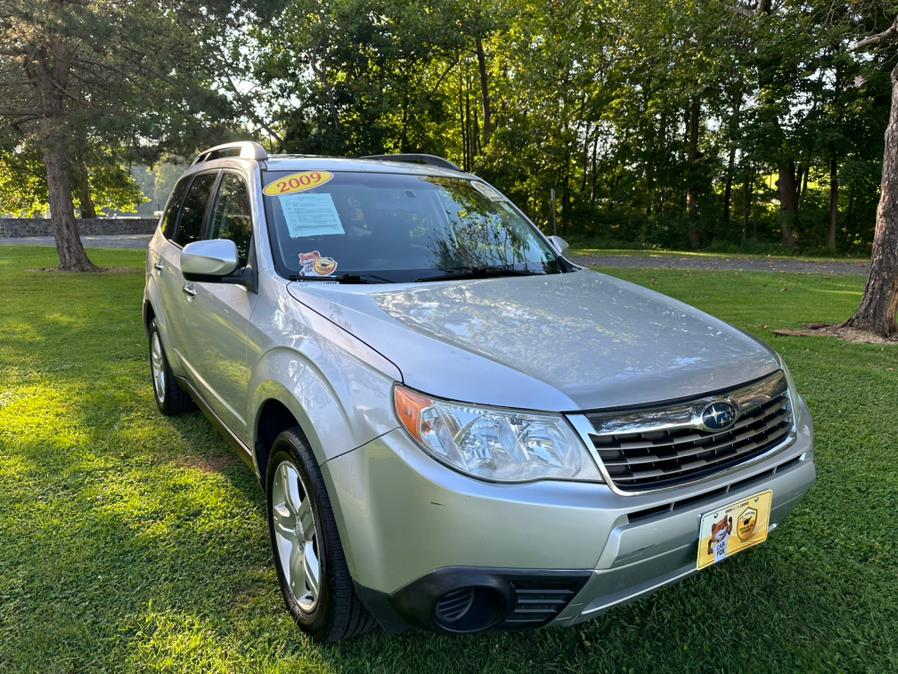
429	159
245	149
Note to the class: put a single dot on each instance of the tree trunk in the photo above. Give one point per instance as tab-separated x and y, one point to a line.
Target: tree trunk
833	202
788	193
691	161
62	211
485	93
747	201
728	188
81	178
469	151
593	173
48	71
803	190
403	129
880	302
465	163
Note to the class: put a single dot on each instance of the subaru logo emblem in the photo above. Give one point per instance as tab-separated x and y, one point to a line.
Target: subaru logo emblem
719	416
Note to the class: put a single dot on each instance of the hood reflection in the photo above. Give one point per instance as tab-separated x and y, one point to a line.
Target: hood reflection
599	340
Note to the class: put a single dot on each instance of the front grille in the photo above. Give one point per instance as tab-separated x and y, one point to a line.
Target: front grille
663	446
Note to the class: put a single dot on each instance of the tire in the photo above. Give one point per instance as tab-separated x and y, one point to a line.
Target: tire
294	484
170	398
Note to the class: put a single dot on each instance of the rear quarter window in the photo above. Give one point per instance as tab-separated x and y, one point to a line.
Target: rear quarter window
170	217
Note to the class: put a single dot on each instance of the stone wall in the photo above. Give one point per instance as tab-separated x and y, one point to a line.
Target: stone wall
19	227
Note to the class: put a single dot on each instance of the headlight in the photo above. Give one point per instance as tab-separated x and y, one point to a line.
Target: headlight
495	444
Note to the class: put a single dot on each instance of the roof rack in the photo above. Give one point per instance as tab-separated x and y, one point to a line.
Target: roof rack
429	159
245	149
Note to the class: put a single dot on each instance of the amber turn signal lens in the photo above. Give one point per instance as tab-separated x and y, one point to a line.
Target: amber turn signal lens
409	406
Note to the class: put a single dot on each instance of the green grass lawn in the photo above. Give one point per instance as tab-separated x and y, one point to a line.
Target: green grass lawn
133	542
581	247
582	244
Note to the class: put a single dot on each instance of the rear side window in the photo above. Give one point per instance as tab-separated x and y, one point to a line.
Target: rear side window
231	216
171	212
190	224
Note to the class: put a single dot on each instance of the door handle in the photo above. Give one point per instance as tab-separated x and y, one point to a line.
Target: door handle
189	290
158	266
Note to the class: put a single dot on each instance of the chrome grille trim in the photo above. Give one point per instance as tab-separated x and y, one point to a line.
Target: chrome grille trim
664	446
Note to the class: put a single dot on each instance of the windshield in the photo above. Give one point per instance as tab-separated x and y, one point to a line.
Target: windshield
387	227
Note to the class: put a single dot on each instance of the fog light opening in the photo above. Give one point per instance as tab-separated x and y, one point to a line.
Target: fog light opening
470	609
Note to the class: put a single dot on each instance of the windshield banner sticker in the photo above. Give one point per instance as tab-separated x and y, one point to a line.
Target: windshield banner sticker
310	215
297	182
312	264
487	191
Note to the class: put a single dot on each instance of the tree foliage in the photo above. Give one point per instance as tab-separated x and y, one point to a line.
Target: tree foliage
108	182
87	85
696	122
673	122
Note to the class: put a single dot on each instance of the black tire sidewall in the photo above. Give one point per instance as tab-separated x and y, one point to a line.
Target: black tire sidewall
165	405
289	445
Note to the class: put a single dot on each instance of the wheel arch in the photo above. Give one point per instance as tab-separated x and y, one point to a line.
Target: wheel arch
272	418
149	313
336	400
276	410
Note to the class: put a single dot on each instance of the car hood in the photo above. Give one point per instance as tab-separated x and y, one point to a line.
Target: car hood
559	342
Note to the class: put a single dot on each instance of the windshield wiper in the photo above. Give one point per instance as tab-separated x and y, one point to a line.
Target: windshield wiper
461	273
343	278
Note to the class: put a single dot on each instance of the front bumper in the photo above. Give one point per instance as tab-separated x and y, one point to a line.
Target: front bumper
414	532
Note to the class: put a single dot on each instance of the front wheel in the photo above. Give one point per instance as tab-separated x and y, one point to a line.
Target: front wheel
308	555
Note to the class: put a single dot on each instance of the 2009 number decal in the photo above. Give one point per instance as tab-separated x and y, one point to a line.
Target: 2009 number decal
297	182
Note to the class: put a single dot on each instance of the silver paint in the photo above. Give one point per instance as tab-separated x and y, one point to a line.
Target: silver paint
564	343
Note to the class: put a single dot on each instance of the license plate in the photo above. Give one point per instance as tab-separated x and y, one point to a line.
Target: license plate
733	528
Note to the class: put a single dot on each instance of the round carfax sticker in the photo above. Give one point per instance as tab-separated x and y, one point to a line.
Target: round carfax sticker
313	264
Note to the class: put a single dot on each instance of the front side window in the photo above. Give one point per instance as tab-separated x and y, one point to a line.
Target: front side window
190	223
397	227
231	215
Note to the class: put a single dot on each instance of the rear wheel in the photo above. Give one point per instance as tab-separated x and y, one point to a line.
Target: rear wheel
170	399
308	555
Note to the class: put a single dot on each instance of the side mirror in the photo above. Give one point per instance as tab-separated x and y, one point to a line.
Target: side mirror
559	244
211	258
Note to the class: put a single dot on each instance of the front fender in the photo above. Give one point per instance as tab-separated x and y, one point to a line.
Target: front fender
340	405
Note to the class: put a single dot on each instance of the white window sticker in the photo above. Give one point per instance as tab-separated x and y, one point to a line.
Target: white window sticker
310	214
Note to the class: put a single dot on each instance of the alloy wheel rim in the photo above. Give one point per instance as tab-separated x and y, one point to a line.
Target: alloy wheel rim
158	366
296	536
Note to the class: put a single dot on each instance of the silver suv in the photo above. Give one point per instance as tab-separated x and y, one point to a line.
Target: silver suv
456	427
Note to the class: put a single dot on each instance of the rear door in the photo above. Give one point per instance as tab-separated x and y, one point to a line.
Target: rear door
163	260
218	313
178	294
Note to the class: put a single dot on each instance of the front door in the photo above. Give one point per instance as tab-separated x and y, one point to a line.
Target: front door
220	313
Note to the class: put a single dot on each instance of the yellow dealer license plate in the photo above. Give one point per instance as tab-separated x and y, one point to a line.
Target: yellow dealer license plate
733	528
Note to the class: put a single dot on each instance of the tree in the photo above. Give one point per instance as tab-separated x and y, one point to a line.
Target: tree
102	183
664	122
76	75
879	304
